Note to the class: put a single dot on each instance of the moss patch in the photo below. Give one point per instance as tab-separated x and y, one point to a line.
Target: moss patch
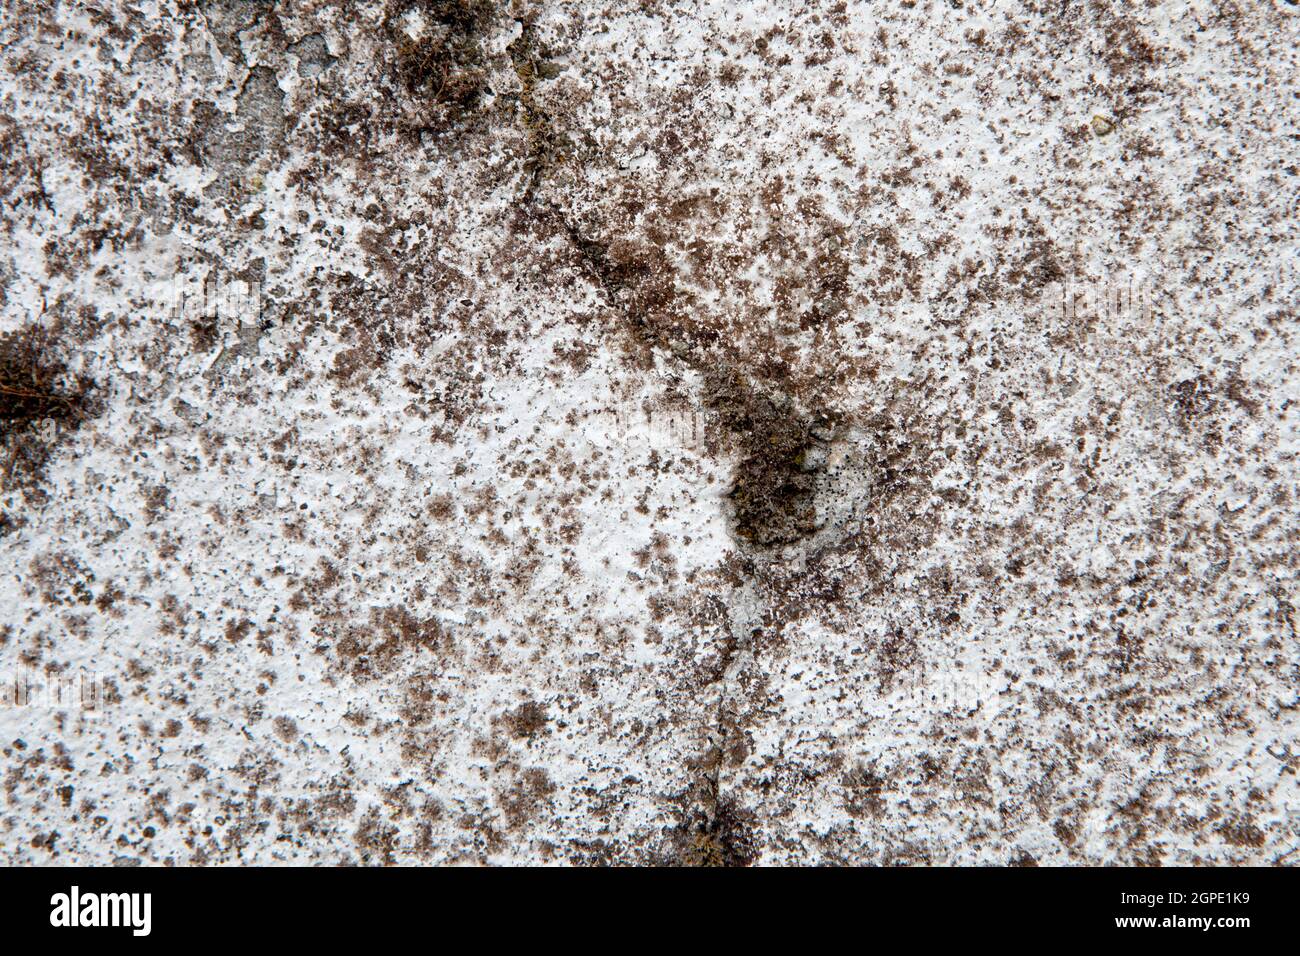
439	55
545	143
722	838
40	401
773	489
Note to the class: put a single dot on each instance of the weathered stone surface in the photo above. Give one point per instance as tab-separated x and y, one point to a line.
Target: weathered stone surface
639	432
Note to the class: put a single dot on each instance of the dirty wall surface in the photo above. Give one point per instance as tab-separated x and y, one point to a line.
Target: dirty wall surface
708	433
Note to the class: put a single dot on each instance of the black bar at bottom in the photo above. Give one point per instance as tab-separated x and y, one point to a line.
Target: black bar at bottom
353	906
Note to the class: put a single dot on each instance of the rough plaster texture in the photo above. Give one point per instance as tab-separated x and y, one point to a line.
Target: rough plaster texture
634	432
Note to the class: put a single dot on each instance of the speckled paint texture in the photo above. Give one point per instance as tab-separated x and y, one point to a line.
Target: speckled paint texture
451	431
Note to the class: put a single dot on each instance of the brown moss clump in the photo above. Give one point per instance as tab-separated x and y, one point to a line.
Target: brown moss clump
526	721
722	838
40	401
392	636
702	849
440	58
545	143
773	489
